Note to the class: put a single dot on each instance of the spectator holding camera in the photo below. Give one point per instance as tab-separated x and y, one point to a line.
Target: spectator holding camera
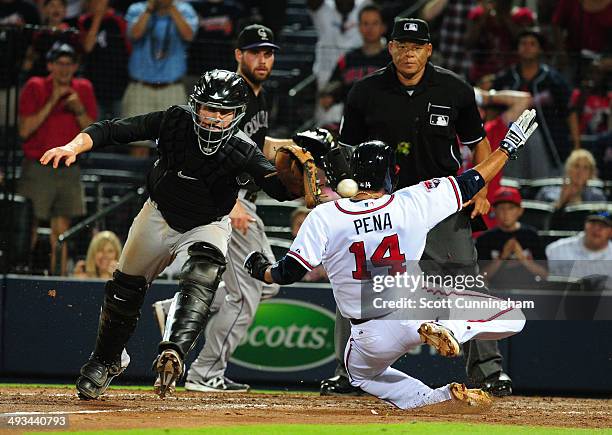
160	31
580	167
102	257
52	110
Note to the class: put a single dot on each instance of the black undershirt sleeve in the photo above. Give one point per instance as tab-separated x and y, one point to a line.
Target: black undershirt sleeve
287	271
126	130
470	183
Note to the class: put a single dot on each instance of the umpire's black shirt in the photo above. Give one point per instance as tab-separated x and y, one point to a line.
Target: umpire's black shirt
421	122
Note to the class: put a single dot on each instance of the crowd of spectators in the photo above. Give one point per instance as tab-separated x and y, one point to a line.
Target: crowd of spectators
98	59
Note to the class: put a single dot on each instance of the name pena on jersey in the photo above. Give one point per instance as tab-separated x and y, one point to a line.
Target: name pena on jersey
377	222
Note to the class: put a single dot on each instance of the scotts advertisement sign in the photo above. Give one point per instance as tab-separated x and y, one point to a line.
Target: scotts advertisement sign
286	336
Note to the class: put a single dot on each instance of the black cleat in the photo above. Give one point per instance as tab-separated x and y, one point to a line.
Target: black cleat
339	386
498	385
96	377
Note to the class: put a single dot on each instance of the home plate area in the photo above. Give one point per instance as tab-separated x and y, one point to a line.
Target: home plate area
125	409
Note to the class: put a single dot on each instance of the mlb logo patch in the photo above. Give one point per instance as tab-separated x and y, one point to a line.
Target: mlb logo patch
439	120
431	184
411	26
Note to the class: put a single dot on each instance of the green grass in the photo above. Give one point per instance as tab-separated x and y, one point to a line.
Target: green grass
366	429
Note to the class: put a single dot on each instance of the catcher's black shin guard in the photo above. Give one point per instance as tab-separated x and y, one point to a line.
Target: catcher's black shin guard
198	283
120	311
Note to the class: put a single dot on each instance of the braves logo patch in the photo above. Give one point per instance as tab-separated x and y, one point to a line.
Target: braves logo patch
439	120
431	184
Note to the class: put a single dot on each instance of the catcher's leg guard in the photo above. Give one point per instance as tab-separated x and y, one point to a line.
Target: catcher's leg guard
124	296
198	283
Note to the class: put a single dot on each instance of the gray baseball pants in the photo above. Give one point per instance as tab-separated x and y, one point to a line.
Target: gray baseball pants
152	244
234	309
449	250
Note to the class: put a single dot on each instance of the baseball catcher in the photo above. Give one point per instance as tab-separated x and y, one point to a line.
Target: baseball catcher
193	187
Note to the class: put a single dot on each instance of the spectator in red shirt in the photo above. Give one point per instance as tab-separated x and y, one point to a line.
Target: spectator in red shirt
498	109
492	30
582	25
591	103
52	110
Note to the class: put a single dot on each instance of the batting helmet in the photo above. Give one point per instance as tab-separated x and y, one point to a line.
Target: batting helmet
373	166
223	92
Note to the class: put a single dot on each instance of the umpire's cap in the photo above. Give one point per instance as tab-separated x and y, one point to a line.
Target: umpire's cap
411	29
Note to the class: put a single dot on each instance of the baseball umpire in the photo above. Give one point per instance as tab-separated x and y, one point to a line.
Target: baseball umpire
419	110
376	234
193	187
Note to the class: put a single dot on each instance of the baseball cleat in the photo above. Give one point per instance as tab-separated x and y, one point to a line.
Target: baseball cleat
97	376
440	338
498	385
157	387
471	396
339	386
169	368
219	384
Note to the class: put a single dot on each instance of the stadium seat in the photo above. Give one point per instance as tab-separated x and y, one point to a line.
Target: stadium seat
537	214
16	215
274	213
547	237
572	217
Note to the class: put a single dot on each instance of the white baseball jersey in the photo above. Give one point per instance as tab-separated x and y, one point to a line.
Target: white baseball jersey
355	240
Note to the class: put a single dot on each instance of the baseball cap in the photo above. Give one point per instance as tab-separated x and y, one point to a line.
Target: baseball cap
536	33
507	194
255	36
602	216
411	29
60	49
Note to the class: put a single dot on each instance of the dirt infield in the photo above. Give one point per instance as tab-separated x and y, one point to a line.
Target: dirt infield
122	409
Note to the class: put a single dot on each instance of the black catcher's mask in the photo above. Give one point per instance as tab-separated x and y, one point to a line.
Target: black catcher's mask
223	92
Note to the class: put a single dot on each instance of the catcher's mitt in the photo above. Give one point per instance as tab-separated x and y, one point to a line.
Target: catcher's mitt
298	173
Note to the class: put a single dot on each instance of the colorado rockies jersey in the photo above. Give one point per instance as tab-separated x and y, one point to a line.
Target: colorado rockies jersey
357	240
255	120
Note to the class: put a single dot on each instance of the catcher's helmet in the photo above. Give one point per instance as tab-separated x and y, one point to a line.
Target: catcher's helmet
219	91
373	166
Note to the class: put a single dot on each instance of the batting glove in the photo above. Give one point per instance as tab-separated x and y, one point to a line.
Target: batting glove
518	133
256	264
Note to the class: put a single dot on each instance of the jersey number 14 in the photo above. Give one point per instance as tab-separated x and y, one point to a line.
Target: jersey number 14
386	254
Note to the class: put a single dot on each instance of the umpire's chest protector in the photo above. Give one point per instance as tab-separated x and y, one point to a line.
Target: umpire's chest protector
192	189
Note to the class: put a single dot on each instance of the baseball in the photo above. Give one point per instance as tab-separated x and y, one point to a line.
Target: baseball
347	188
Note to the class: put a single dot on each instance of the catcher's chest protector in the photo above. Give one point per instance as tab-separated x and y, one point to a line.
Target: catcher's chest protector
190	188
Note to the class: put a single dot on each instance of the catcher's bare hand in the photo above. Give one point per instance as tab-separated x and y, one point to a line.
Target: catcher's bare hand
240	219
67	153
